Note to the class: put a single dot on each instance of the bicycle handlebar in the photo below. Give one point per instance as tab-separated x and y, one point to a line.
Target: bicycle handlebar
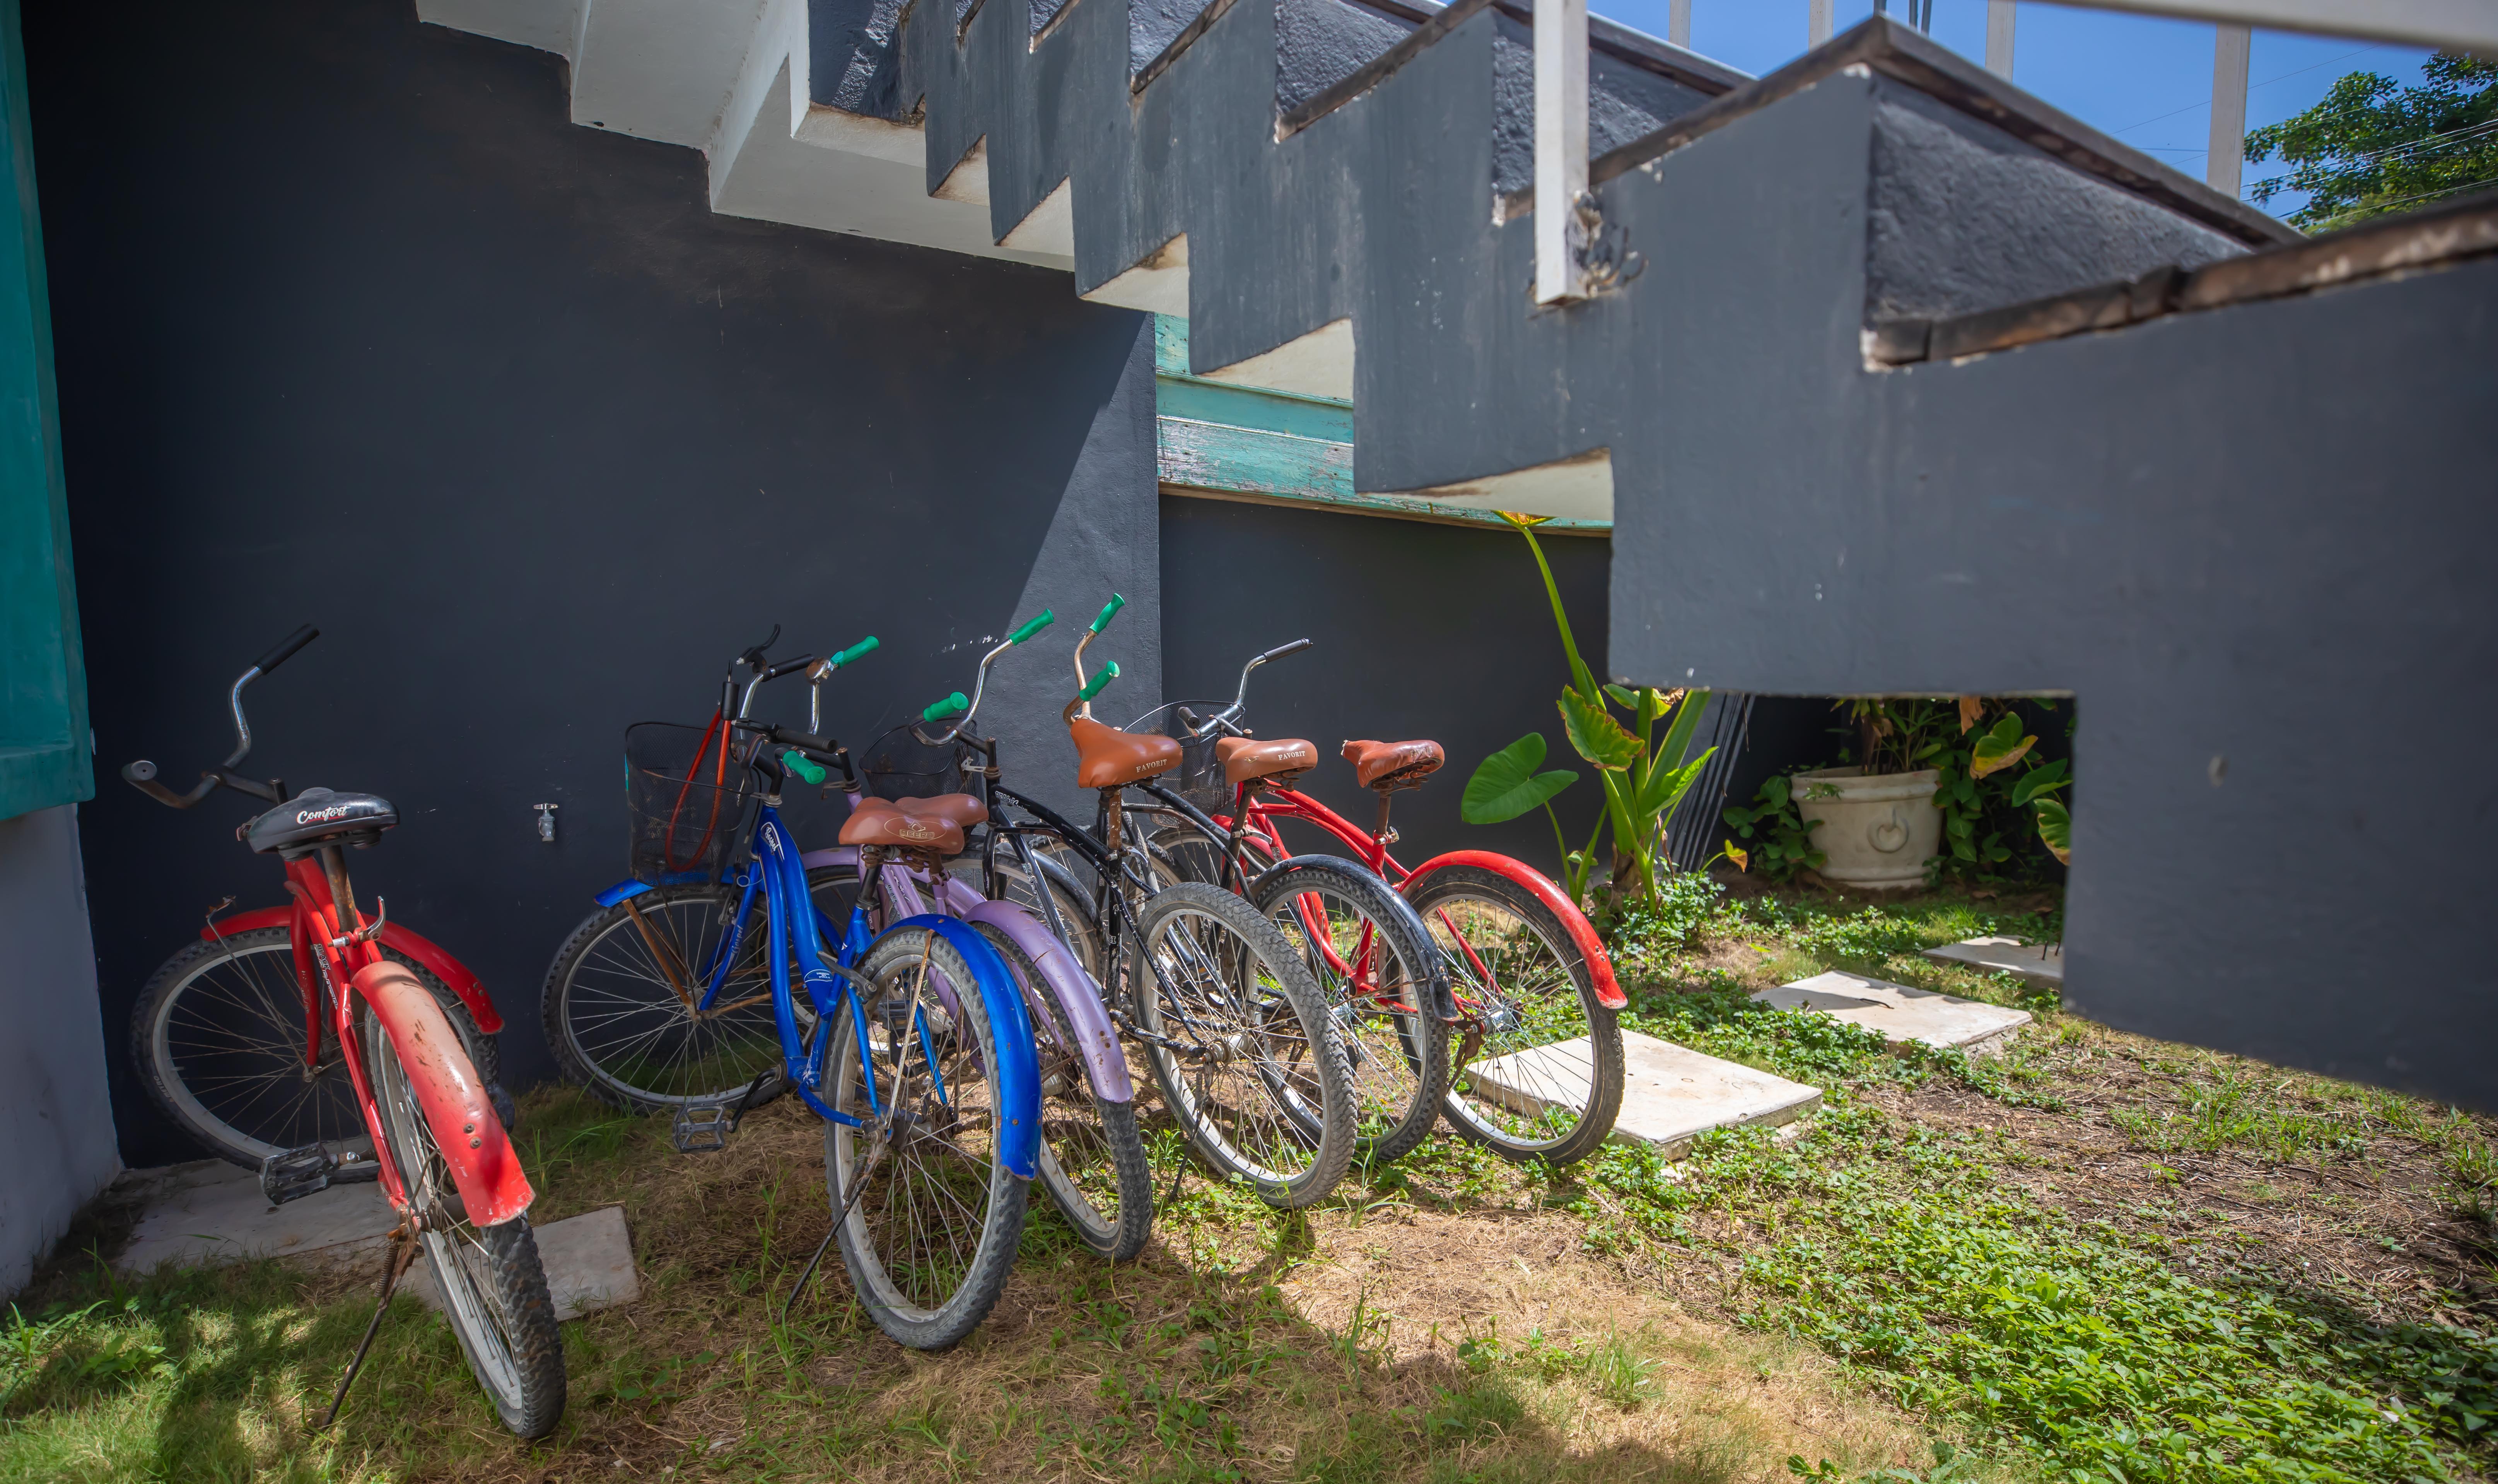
953	705
1280	651
788	667
852	654
1110	611
1110	673
286	648
1046	618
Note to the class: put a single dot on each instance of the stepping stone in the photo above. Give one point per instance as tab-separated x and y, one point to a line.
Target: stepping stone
2040	964
589	1263
209	1213
1900	1012
1670	1094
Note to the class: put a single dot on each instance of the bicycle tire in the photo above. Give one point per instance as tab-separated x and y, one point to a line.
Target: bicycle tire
491	1287
266	991
1397	1048
1091	1151
607	968
1526	1121
928	1301
1184	993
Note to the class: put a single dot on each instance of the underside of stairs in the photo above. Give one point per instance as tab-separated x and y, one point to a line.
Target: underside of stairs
1905	383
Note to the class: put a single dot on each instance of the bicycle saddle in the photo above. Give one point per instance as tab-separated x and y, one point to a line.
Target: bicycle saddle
915	824
1393	765
1107	758
1281	762
316	817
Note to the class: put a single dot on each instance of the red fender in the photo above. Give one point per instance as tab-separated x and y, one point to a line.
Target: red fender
404	939
456	1107
1582	933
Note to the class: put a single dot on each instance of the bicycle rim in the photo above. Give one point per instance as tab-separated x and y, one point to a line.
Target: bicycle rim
1540	1068
1243	1073
224	1042
932	1230
622	1011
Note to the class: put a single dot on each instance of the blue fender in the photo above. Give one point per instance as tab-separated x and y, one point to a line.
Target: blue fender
1018	1070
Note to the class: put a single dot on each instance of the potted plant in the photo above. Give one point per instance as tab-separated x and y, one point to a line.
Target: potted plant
1875	821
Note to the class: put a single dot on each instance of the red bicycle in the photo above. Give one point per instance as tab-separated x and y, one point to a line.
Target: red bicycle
266	1037
1537	1069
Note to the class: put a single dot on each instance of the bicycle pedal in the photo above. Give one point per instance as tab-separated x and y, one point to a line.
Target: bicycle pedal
700	1128
295	1174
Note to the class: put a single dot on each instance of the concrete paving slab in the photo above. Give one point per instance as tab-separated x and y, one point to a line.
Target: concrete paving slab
589	1261
1900	1012
2040	964
1670	1094
209	1213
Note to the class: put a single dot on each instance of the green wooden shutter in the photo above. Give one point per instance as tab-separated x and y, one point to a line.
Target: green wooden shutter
44	744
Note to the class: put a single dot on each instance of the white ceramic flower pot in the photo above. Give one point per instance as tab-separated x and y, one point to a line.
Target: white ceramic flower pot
1877	832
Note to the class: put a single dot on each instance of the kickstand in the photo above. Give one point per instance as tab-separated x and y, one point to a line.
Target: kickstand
1178	1172
875	1157
402	1252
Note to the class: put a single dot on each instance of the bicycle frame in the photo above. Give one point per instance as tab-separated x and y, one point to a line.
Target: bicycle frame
1261	811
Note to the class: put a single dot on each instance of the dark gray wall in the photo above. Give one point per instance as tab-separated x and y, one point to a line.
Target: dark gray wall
353	327
1424	631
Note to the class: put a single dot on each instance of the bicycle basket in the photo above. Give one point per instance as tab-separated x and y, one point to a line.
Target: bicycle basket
1198	778
898	765
687	796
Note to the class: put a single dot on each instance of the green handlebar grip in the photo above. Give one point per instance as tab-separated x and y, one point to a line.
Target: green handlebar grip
859	651
1110	673
1110	611
1035	627
800	764
951	706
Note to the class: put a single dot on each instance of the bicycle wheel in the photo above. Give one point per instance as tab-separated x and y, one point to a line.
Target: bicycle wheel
1092	1158
1070	904
1372	961
619	999
493	1289
217	1039
1542	1076
933	1213
1241	1044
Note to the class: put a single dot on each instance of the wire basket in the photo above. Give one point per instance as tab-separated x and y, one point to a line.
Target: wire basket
1198	778
687	801
898	765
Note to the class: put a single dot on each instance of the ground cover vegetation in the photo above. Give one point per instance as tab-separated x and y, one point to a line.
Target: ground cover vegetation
2095	1257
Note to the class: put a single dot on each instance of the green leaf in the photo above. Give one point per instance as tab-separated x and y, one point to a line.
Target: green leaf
1507	785
2038	781
1623	694
2055	829
2001	748
1594	733
1667	786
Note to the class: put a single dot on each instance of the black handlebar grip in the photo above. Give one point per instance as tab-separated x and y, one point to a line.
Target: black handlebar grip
286	649
788	667
1281	650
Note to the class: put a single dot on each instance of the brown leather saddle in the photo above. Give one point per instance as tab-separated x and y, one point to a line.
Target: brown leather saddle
1386	765
915	824
1107	758
1278	763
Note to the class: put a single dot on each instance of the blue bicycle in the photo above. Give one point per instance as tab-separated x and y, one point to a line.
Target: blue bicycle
715	981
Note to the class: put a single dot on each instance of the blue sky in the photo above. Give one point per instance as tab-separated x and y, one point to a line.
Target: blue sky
2146	80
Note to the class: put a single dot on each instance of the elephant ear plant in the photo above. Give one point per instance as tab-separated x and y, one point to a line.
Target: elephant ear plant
1644	769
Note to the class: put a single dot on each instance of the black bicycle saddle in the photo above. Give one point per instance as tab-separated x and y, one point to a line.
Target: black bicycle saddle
316	817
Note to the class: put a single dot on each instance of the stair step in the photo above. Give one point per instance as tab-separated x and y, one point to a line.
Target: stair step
1670	1094
1900	1012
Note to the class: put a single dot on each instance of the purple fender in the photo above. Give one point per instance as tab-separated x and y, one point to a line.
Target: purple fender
1067	982
1074	988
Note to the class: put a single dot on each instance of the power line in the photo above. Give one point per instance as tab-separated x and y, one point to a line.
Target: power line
2267	83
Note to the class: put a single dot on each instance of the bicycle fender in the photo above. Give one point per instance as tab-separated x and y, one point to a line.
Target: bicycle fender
839	854
1582	933
407	940
1105	1066
1018	1071
454	1101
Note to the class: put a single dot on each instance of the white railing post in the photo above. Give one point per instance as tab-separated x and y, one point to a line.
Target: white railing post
1560	143
2000	18
2226	152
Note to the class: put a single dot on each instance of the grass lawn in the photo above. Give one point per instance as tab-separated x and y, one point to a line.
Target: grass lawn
2097	1257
